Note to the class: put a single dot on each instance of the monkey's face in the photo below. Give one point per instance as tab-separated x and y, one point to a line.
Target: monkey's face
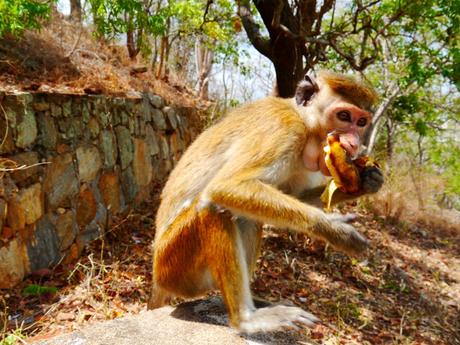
349	122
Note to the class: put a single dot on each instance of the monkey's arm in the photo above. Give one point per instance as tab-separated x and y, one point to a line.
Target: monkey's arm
245	194
372	181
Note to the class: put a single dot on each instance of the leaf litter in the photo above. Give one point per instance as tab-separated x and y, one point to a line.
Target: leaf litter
405	291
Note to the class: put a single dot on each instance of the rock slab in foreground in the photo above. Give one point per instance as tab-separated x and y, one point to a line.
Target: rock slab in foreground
200	322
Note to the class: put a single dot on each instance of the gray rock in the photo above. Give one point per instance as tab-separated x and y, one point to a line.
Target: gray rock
11	116
85	113
56	110
66	229
60	181
43	251
129	185
93	127
142	163
152	141
164	145
27	159
158	119
104	118
77	105
144	110
67	108
156	101
109	148
132	124
140	127
26	129
89	163
124	116
71	128
96	228
47	133
125	146
171	116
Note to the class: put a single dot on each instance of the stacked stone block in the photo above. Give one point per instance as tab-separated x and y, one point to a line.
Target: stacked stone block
100	154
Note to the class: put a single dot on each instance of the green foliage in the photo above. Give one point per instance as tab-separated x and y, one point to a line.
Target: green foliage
36	290
445	157
117	17
19	15
113	18
184	19
15	337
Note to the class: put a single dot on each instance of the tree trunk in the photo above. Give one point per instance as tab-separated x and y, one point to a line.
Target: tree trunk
163	43
286	50
288	62
131	44
283	46
75	10
203	63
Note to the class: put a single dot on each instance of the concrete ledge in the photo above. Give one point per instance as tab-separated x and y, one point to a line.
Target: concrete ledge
200	322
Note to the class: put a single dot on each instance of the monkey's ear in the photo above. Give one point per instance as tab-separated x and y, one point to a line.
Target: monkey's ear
306	90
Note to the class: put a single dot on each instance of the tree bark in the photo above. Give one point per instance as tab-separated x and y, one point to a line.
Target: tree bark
75	10
283	47
131	44
203	63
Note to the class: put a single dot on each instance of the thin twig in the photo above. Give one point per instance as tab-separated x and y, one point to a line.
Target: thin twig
20	167
6	126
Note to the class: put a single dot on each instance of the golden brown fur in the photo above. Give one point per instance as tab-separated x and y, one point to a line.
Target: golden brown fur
359	93
240	173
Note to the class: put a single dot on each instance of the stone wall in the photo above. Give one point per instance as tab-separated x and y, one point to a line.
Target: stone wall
100	154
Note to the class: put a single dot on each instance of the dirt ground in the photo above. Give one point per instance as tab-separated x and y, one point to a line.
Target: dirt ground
405	291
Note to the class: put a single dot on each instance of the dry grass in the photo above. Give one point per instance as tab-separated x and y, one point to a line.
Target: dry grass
66	58
411	195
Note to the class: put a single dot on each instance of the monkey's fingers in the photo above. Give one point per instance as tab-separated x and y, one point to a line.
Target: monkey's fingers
348	239
372	179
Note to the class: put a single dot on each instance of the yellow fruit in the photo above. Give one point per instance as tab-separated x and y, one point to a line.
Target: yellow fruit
345	172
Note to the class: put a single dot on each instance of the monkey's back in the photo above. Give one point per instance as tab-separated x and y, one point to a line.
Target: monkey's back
254	125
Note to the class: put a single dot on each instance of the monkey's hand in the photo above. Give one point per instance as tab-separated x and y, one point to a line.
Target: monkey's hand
345	237
371	179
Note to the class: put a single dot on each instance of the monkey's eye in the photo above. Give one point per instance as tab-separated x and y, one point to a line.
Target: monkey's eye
344	115
362	122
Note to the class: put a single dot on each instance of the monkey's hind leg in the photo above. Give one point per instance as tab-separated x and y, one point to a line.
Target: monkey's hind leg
227	259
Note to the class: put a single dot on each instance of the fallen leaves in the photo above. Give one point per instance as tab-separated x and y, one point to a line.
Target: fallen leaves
404	292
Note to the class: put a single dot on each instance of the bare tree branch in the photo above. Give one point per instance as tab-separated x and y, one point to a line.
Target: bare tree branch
262	44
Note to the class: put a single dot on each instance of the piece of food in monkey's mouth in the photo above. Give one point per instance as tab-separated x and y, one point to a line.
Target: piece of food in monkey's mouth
345	172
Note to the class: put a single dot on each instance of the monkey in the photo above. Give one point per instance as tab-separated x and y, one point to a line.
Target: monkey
256	166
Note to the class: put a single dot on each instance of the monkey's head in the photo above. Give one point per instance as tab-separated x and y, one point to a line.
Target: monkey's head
339	104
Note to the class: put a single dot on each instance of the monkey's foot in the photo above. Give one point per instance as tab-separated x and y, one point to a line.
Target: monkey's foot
275	318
